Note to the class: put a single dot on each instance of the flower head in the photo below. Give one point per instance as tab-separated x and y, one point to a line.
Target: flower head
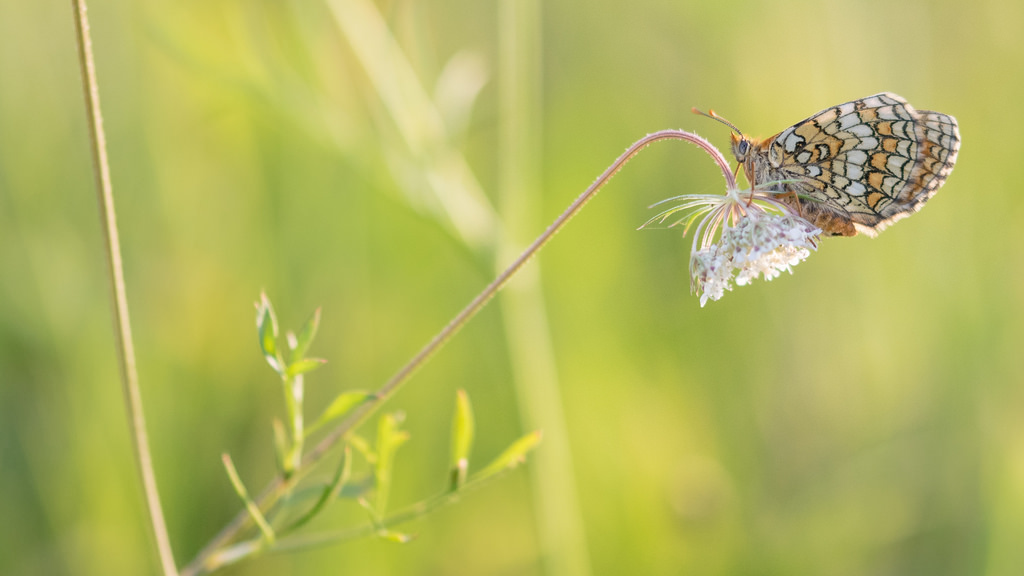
749	231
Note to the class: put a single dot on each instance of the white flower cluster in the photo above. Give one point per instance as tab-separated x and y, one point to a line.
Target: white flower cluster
756	232
760	243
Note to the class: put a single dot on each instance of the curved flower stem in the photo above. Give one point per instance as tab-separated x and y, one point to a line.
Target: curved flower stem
442	337
123	332
274	490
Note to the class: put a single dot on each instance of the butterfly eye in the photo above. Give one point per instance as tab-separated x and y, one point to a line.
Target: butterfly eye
744	147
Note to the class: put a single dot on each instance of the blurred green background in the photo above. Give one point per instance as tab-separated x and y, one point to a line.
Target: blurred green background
863	416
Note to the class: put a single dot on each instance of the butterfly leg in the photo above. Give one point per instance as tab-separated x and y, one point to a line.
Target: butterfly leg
791	199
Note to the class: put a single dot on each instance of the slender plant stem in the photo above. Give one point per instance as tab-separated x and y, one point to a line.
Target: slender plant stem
442	337
279	485
123	331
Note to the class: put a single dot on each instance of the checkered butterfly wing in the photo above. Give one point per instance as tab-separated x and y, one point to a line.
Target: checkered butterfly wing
870	162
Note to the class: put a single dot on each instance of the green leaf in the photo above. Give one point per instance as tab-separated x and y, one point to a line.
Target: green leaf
305	337
342	405
266	327
250	505
462	439
305	365
513	456
330	492
389	439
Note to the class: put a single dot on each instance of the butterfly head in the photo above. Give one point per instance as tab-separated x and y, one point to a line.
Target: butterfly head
741	144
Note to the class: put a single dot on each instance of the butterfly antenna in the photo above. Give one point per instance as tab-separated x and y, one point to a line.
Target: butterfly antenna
711	114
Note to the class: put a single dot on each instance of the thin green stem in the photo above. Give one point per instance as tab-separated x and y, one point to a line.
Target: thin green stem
272	493
293	395
123	332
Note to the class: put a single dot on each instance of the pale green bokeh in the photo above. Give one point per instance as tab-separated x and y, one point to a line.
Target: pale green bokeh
863	416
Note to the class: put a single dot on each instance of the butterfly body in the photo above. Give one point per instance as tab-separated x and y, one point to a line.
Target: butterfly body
855	167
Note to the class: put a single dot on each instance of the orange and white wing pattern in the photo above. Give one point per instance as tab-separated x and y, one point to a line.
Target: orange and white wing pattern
862	165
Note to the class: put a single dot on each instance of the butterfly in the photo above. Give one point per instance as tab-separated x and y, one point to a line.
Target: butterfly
856	167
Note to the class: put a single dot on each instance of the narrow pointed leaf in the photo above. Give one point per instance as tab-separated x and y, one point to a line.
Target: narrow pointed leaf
305	365
250	505
305	337
266	327
341	406
462	439
513	456
389	439
330	492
